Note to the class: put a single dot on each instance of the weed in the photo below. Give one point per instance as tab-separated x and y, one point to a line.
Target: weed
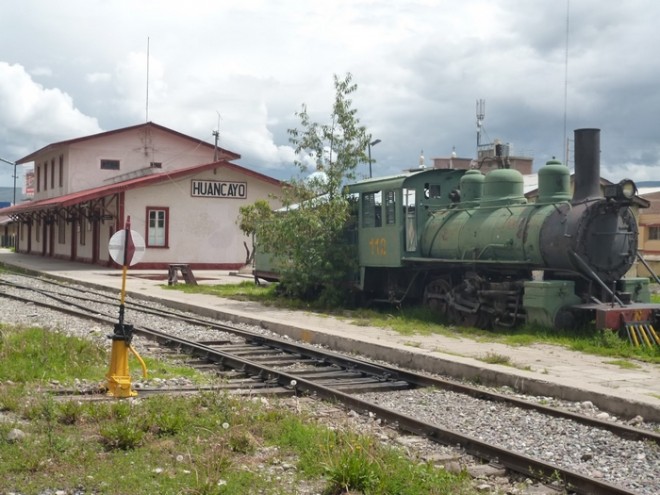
11	396
124	435
623	364
241	441
494	358
69	412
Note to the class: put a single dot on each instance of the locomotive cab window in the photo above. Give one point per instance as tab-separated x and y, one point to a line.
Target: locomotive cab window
410	219
432	191
372	209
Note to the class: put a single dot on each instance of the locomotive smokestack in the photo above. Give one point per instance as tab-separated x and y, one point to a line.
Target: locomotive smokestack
587	164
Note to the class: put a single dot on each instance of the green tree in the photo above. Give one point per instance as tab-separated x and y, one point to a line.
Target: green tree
249	219
307	239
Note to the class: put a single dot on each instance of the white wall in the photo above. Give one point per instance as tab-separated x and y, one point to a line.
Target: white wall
201	230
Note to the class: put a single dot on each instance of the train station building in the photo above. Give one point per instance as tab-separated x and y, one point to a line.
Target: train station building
182	196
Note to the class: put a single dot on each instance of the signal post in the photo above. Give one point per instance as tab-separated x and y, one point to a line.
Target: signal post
126	248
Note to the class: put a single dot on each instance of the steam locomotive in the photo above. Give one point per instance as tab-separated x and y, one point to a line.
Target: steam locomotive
472	247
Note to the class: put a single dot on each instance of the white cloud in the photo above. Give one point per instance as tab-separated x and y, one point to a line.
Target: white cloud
41	71
33	115
420	66
98	77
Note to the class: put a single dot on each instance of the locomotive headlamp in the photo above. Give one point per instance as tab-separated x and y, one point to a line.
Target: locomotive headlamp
626	190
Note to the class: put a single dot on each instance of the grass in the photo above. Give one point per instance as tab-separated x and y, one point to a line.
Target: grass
494	358
205	444
242	291
409	321
623	364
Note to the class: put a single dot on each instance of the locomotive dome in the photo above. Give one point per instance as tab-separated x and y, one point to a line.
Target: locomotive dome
554	182
471	185
503	186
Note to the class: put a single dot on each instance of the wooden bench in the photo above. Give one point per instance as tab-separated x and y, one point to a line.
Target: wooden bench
186	273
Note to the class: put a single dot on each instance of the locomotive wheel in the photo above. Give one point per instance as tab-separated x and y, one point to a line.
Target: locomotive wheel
436	296
475	320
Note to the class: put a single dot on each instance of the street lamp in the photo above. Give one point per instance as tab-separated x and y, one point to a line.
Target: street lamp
372	143
14	164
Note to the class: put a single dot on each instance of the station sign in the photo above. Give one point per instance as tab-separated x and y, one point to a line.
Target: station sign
218	189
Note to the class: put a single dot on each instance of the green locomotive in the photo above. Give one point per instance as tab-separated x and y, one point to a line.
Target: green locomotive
475	249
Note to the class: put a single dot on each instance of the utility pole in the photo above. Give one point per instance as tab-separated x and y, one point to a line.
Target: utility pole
14	164
371	143
216	134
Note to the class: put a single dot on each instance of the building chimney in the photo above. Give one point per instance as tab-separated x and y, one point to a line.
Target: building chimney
587	165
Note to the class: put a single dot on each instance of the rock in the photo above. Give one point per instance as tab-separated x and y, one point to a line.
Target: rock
485	470
15	435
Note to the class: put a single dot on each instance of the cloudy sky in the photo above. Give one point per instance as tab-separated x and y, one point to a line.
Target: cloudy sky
76	67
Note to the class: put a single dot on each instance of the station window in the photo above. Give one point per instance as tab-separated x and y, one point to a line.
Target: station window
372	209
109	164
157	226
654	232
61	170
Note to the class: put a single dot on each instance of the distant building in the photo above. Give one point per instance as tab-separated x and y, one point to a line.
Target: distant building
649	229
182	196
490	156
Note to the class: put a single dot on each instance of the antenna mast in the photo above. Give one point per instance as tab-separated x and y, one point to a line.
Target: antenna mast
147	103
216	134
481	114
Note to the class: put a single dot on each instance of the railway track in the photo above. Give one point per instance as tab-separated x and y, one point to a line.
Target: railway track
254	363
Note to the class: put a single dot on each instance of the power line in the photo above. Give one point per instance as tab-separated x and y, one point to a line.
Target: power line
565	142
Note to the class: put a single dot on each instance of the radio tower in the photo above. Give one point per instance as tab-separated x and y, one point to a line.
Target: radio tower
481	114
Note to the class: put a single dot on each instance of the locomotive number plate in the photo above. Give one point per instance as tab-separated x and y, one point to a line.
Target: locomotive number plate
378	246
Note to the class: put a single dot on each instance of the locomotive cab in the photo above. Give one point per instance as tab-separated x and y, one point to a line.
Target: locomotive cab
392	213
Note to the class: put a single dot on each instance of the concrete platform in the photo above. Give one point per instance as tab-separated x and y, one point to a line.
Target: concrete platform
537	369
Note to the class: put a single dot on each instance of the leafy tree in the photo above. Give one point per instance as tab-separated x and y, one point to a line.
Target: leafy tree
248	221
307	238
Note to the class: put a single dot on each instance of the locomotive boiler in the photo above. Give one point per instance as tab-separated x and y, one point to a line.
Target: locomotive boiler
474	248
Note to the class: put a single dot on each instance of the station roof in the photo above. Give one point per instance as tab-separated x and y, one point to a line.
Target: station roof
110	189
229	155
